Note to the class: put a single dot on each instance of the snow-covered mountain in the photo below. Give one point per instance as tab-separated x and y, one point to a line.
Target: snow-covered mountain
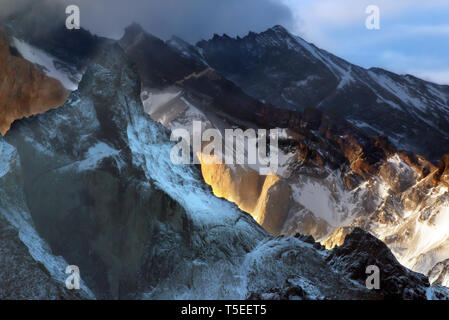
97	189
333	176
91	182
283	69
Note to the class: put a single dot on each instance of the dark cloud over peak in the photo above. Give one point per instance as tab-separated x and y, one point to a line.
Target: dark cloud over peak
191	20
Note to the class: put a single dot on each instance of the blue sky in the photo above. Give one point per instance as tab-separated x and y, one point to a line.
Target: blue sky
413	36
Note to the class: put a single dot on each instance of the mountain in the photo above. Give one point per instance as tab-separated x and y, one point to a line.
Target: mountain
91	183
160	65
333	176
101	190
283	69
41	24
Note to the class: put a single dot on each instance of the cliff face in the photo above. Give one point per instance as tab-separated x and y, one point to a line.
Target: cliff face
24	89
266	198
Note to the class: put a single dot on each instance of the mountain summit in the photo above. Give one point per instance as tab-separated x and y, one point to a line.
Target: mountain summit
283	69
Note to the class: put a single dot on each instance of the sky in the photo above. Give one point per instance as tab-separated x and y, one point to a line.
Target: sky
413	35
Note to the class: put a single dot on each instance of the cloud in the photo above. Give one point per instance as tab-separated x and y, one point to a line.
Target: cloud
339	13
318	20
434	69
8	7
192	20
442	29
437	76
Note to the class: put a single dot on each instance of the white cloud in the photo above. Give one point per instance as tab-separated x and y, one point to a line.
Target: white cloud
437	76
346	12
316	19
426	29
422	67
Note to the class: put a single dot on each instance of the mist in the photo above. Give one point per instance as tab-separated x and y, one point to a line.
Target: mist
191	20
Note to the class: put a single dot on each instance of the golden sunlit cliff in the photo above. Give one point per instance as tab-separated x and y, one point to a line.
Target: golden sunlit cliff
24	89
266	198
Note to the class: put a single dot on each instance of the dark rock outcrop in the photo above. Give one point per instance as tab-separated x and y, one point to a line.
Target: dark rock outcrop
360	250
158	64
351	260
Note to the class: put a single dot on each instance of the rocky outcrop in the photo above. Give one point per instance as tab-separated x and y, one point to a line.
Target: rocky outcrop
273	204
87	198
337	238
24	88
360	250
237	184
439	274
266	198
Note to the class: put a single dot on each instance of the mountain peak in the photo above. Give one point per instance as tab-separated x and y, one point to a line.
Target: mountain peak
134	28
109	70
176	39
280	29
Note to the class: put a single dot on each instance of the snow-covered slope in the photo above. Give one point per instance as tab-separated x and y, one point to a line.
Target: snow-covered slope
52	67
283	69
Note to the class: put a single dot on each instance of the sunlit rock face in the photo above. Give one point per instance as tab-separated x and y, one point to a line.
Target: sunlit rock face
337	238
266	198
24	88
240	185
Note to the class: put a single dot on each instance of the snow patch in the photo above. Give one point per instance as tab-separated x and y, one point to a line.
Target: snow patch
40	57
